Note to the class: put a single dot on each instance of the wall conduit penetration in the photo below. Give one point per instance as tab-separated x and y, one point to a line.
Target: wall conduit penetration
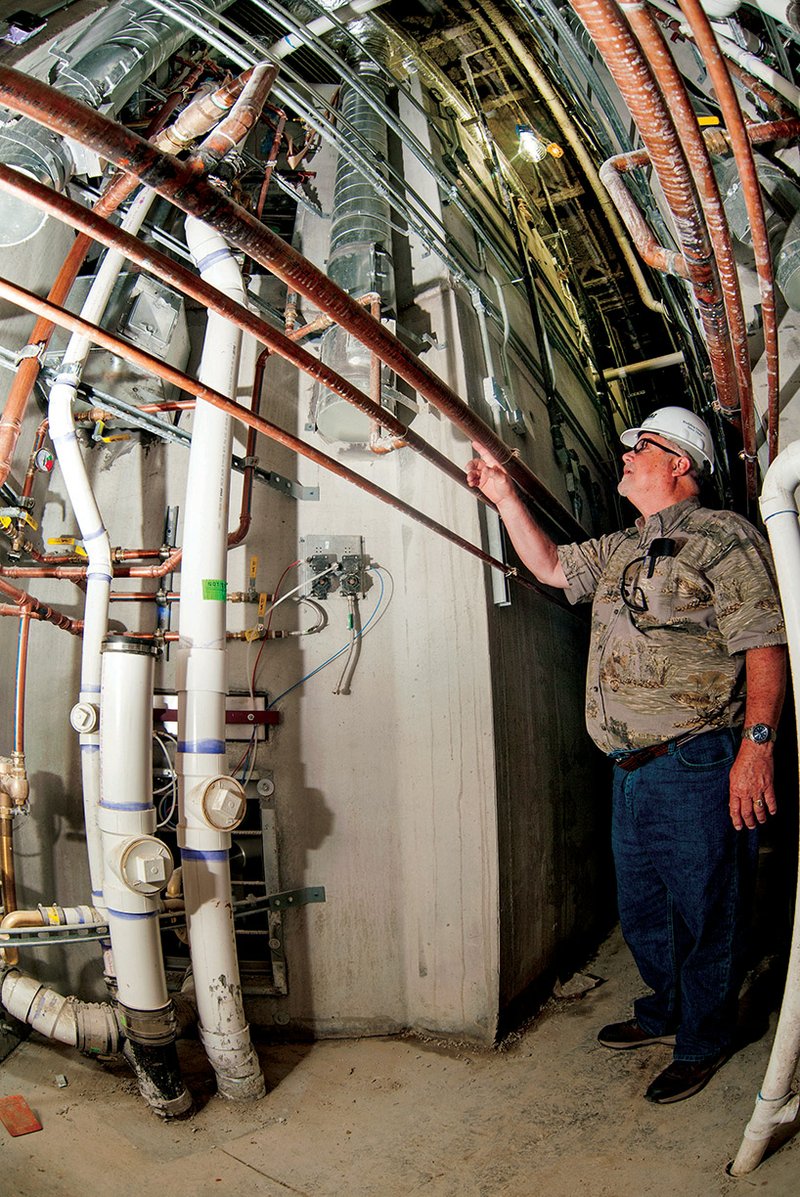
196	197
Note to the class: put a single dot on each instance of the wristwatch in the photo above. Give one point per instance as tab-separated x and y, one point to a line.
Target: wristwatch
760	733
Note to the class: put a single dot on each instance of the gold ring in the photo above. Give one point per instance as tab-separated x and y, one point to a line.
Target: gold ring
759	803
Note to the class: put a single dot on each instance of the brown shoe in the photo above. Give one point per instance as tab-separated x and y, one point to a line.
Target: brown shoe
683	1078
624	1035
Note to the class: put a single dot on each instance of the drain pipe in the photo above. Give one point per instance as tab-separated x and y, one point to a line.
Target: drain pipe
84	716
137	867
777	1103
211	803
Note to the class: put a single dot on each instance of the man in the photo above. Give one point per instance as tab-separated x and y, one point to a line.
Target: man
685	685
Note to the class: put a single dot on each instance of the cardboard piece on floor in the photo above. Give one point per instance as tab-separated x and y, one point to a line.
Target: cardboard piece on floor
17	1116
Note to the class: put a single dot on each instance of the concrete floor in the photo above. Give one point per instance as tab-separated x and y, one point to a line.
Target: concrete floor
550	1113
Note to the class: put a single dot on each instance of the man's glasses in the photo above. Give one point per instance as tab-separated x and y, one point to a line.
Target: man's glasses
644	441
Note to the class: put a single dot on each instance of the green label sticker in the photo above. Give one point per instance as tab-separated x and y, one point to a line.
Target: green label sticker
215	588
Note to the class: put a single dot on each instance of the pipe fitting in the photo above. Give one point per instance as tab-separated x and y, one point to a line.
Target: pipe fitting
221	802
85	718
143	864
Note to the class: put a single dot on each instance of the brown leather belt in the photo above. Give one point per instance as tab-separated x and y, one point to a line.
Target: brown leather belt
635	760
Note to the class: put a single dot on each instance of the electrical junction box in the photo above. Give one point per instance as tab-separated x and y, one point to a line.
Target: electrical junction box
321	552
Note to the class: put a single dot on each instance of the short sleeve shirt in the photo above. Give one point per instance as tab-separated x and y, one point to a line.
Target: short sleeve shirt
669	632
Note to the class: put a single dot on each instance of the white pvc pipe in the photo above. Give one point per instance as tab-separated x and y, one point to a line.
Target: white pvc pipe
89	1026
202	688
94	535
137	867
746	60
776	1102
319	26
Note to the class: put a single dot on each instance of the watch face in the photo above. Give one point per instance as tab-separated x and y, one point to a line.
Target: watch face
760	733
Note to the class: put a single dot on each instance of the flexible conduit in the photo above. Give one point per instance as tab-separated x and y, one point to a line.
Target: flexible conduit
777	1103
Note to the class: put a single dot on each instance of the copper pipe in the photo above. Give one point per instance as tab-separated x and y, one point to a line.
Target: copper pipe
751	191
144	596
379	443
38	441
28	605
272	158
198	197
245	517
8	889
29	367
672	85
231	131
26	299
165	268
192	122
659	257
632	75
20	683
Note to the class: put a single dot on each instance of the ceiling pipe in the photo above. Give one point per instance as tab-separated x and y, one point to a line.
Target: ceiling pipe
137	357
743	153
576	143
634	78
671	83
650	363
195	196
167	269
196	119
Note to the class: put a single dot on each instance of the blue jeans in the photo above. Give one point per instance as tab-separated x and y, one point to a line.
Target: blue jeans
684	883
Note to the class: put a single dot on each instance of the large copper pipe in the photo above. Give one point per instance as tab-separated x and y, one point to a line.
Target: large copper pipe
751	191
26	299
672	85
632	75
199	198
165	268
235	127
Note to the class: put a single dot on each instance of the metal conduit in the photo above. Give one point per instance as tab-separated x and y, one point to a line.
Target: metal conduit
145	361
624	59
742	152
196	196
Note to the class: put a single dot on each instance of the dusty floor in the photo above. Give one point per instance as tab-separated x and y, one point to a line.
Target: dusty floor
552	1113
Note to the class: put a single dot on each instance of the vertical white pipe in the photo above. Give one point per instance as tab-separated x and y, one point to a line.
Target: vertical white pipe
202	688
137	866
776	1103
95	538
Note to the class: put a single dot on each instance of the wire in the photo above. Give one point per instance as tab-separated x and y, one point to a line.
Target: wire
164	819
373	620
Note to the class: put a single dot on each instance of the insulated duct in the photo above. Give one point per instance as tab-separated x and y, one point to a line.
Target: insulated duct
782	210
103	69
360	257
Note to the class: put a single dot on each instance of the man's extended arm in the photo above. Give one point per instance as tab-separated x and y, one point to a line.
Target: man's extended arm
534	546
752	771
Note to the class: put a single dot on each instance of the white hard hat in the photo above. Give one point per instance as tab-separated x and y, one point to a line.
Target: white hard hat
683	428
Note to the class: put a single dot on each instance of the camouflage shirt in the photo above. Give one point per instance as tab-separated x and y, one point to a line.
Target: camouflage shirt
671	659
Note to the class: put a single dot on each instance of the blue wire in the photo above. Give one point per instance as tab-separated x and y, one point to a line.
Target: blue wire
373	569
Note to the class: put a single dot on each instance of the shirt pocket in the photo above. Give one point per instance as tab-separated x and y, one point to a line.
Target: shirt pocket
676	595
